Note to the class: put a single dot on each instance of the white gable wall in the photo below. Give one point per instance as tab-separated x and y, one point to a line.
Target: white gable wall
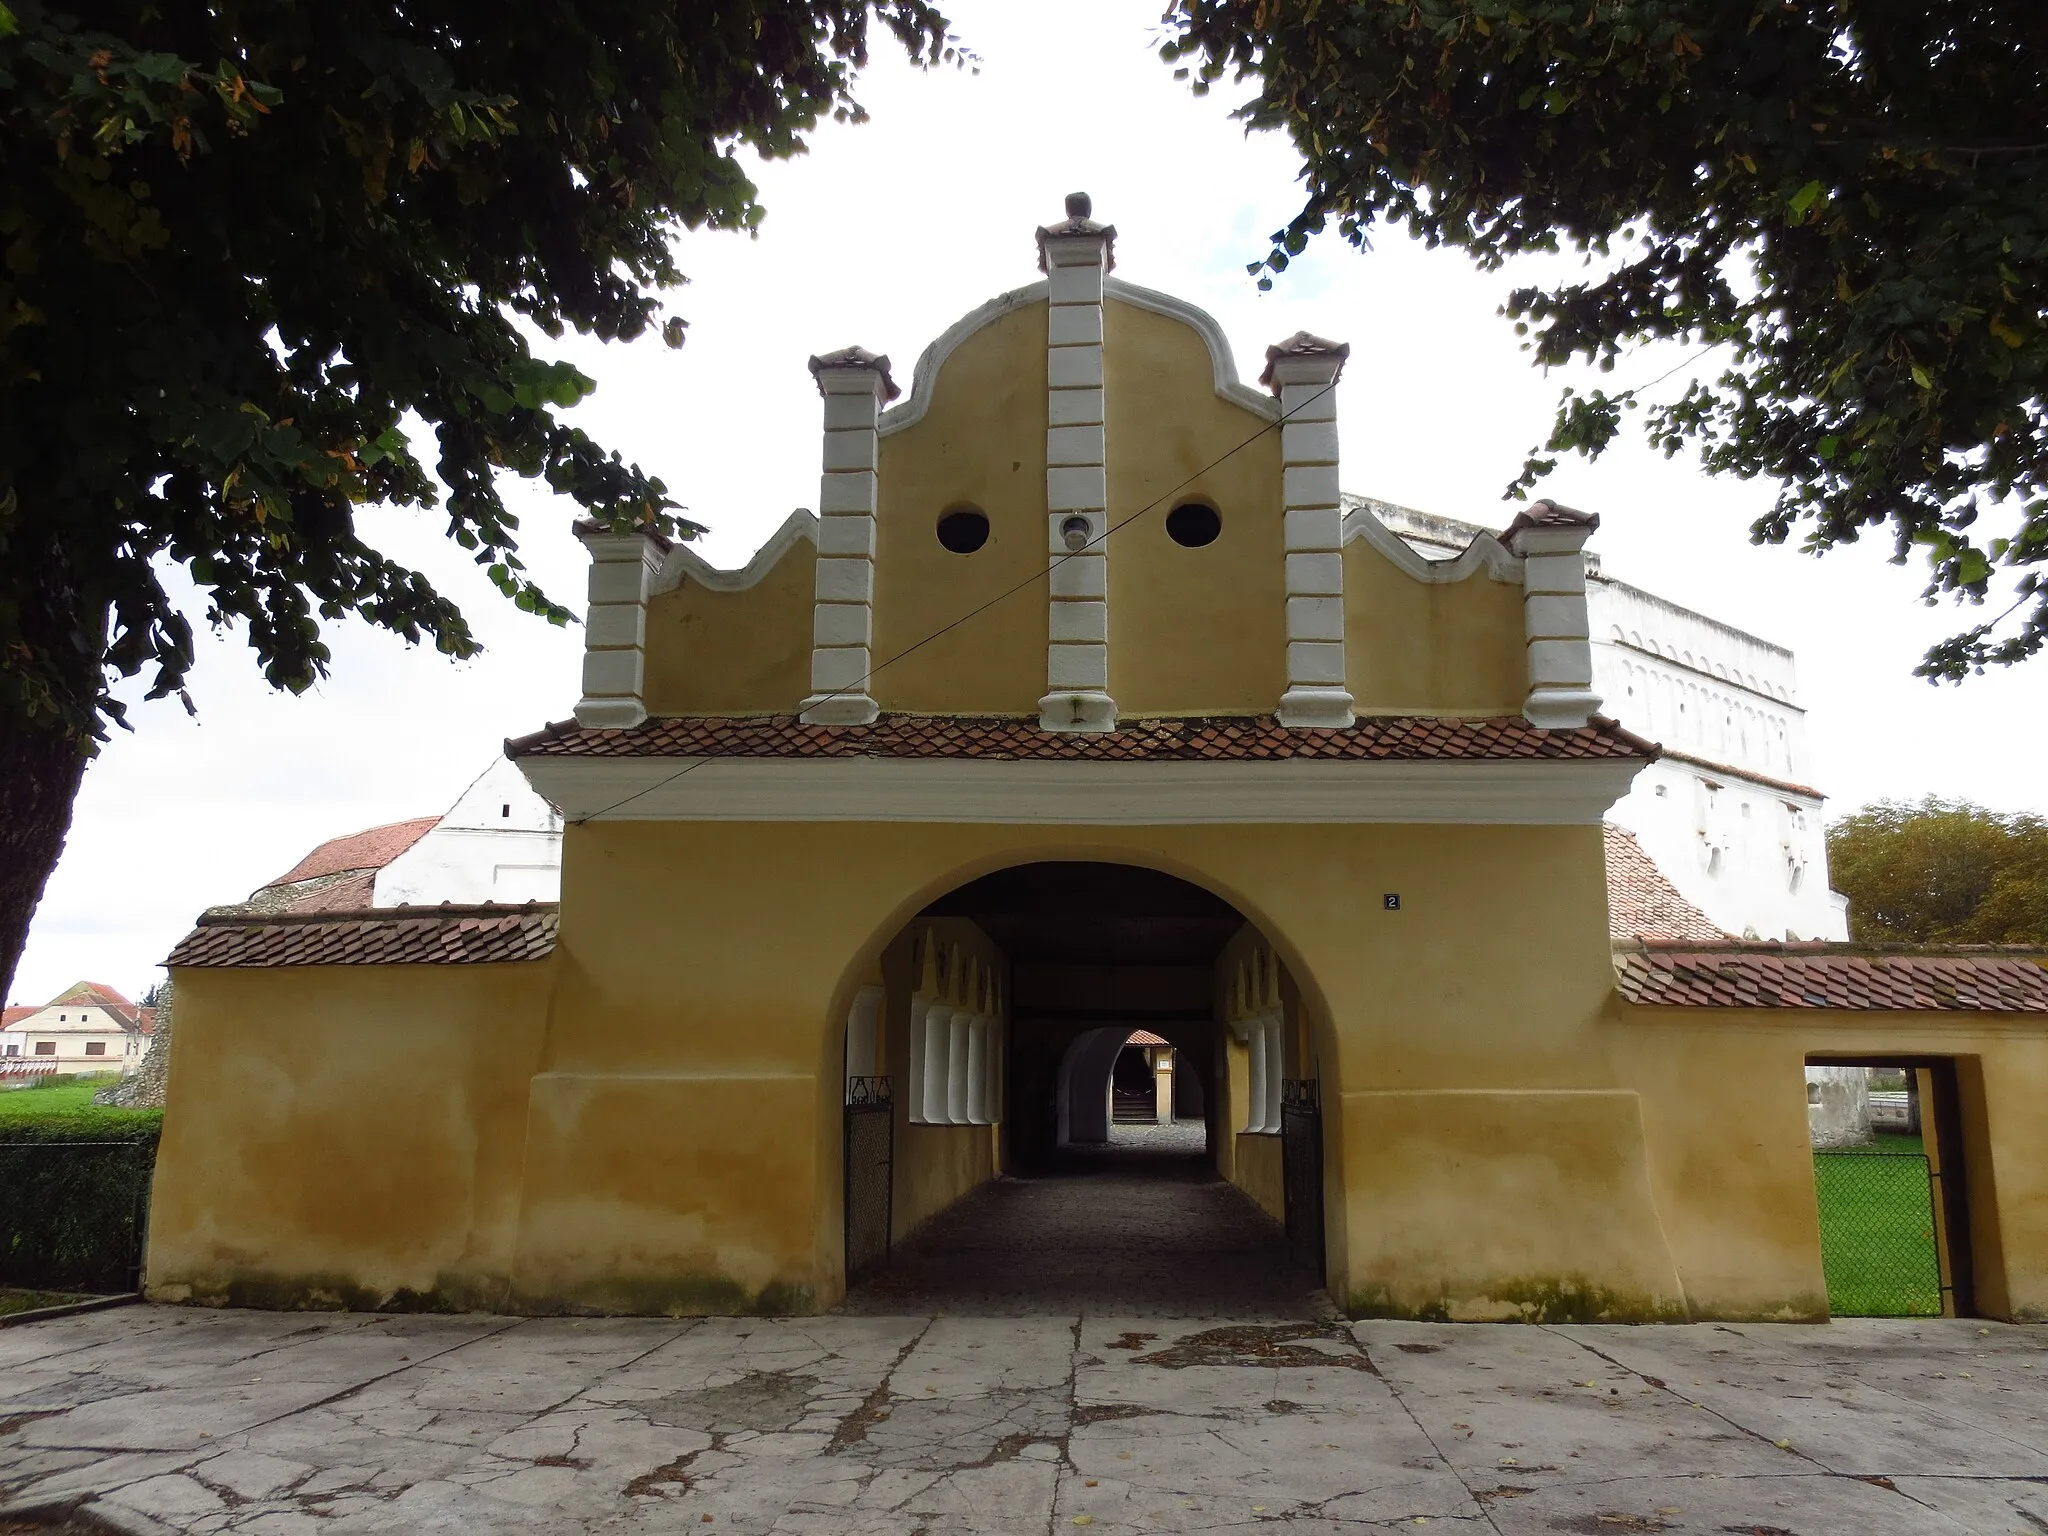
499	842
1738	830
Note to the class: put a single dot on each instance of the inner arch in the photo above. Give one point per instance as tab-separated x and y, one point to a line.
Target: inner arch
1074	1108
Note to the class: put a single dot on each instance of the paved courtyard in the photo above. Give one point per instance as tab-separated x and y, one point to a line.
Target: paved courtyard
167	1419
1117	1349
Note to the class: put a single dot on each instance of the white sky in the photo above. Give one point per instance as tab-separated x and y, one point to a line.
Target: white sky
882	236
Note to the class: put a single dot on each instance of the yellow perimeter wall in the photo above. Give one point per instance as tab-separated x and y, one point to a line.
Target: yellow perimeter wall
650	1121
346	1135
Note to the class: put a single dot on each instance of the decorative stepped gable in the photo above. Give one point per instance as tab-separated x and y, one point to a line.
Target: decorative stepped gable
1279	610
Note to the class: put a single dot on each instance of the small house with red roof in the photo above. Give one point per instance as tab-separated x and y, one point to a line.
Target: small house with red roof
1083	704
87	1028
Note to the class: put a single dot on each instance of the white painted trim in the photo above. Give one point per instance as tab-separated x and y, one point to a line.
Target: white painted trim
1514	792
1221	362
1228	385
1484	553
926	374
683	561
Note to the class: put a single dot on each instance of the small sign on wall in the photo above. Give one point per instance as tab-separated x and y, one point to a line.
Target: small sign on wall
1391	901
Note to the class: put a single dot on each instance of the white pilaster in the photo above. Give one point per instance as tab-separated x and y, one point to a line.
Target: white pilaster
1552	543
1255	1079
1303	371
959	1043
1075	255
855	385
615	625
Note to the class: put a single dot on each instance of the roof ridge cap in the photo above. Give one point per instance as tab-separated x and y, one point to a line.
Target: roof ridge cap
223	919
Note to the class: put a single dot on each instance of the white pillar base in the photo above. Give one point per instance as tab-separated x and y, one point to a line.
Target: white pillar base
1077	710
1560	709
840	709
610	714
1317	709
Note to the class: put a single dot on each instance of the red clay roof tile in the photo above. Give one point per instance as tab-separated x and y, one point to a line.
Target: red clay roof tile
371	848
1642	903
446	935
1394	737
1841	976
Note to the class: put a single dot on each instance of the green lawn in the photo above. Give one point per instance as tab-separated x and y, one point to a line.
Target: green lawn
1877	1231
66	1096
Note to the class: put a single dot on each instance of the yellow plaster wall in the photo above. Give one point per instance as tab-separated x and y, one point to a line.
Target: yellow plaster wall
1257	1170
1724	1101
716	652
730	951
1192	631
345	1135
1429	648
981	444
1508	1138
1483	1207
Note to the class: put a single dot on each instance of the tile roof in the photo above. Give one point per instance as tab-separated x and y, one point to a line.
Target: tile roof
444	935
1223	738
1724	771
1839	976
14	1013
371	848
95	992
1642	903
349	892
1146	1037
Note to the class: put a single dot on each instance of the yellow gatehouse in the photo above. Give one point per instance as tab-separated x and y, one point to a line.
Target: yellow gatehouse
1082	705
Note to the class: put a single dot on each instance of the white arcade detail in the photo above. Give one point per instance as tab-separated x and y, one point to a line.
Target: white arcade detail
956	1032
1257	1019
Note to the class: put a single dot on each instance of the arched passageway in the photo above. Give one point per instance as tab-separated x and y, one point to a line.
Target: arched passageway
1057	1037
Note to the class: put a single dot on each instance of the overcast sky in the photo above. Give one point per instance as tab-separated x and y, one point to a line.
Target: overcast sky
882	236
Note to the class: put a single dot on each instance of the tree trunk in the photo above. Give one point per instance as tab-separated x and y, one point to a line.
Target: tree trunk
40	770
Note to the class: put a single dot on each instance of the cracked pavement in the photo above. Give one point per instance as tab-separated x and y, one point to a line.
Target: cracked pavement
158	1419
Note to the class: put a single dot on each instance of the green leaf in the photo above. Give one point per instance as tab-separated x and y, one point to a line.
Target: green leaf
1803	199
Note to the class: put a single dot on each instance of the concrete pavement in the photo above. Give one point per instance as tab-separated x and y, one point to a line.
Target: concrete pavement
158	1419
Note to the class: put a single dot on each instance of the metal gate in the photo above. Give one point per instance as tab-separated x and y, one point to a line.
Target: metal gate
1878	1244
1301	1162
870	1161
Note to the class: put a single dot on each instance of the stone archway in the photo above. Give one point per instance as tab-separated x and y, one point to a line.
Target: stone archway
1006	1003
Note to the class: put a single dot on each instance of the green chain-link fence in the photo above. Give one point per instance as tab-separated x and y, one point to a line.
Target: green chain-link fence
1877	1242
73	1213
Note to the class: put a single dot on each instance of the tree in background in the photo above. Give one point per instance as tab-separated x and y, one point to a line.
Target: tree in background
1849	203
243	243
1941	872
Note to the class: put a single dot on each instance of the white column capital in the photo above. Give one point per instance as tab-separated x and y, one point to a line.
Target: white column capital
1304	358
854	371
1077	240
1556	633
615	623
855	384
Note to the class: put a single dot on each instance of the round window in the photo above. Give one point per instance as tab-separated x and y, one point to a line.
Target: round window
964	530
1192	525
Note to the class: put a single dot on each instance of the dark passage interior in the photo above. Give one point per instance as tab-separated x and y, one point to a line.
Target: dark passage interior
1109	1199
